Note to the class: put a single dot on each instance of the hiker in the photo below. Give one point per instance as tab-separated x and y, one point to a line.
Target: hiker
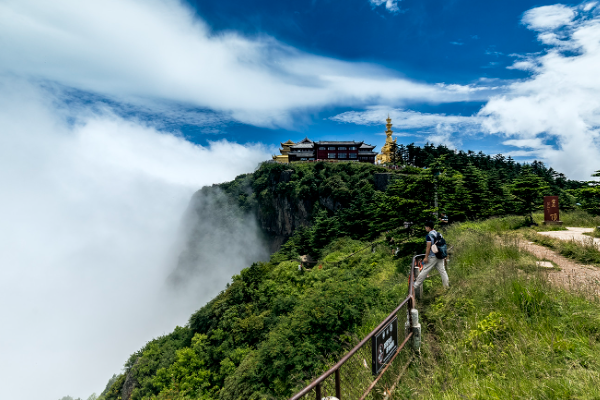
430	261
444	219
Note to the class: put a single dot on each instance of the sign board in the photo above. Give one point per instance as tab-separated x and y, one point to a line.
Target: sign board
383	345
551	209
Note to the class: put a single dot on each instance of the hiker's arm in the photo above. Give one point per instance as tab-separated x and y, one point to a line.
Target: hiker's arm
427	250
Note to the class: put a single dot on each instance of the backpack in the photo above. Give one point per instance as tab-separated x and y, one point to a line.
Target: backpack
438	246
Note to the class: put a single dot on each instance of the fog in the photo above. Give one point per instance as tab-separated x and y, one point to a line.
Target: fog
91	209
217	241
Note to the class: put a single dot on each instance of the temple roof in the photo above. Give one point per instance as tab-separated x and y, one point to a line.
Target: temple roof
300	146
305	143
341	142
305	147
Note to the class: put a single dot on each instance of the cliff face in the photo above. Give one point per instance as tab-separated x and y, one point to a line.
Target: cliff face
254	215
281	216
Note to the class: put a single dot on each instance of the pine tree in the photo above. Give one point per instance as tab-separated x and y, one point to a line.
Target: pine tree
528	190
477	196
589	196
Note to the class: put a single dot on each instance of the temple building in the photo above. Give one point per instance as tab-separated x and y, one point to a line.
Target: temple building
284	150
389	146
307	150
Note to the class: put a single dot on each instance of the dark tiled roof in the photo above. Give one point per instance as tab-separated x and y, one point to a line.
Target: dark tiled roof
335	142
367	146
366	153
302	146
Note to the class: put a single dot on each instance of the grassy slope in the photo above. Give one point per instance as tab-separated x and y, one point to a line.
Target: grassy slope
500	332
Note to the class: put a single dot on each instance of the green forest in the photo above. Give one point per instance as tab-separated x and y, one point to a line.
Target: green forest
274	326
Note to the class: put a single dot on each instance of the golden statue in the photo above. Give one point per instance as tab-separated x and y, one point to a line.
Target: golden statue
387	149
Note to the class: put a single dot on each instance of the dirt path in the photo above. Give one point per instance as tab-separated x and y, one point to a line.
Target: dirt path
576	234
572	275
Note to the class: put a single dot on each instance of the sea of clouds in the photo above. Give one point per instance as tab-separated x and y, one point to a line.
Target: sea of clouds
91	210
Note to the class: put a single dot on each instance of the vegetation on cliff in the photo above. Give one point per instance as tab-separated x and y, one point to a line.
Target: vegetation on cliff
275	326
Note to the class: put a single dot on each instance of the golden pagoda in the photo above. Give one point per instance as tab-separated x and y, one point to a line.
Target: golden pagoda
284	150
387	149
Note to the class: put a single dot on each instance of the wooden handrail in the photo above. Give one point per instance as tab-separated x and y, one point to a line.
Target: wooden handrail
409	300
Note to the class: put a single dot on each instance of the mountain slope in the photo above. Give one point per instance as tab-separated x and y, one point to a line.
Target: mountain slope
276	326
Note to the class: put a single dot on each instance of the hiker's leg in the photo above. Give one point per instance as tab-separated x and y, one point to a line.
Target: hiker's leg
426	269
439	265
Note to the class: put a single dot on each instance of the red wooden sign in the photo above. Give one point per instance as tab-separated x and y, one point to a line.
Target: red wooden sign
551	209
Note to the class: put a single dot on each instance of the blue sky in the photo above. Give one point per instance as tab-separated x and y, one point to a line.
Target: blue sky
434	41
265	71
456	42
275	74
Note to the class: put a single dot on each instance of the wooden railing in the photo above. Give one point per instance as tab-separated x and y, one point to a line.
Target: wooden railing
352	373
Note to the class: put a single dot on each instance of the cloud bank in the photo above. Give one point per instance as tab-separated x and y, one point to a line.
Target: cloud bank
154	52
555	114
436	128
548	17
91	207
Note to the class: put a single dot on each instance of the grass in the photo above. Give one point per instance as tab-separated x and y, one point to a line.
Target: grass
575	218
595	233
499	333
571	218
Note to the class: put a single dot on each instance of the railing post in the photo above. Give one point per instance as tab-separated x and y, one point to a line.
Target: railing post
338	385
318	390
416	329
417	292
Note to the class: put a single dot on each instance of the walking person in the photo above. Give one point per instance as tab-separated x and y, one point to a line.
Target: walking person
431	261
444	219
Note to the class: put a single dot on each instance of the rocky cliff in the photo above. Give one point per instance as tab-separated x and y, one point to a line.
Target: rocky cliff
252	216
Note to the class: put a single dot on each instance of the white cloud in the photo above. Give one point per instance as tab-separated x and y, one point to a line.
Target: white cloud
404	119
548	17
438	128
90	212
492	52
390	5
157	51
524	65
556	112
